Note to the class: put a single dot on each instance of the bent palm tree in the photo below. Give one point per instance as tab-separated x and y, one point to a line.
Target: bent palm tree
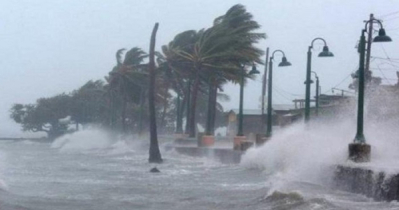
225	47
155	154
126	82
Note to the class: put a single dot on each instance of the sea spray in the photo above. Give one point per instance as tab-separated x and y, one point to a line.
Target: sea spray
95	139
3	161
83	140
297	146
309	153
301	154
120	147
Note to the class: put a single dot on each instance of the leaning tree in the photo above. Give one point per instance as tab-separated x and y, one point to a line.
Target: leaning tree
226	47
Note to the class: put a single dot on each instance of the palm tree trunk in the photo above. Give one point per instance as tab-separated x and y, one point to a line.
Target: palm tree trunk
163	117
188	99
214	101
123	115
209	130
142	98
193	104
112	112
155	154
179	122
165	107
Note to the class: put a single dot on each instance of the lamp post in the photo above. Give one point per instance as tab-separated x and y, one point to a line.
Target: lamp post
324	53
283	62
317	93
359	151
240	133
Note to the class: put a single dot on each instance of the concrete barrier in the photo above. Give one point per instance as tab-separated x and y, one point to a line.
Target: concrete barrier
207	141
373	184
227	156
260	139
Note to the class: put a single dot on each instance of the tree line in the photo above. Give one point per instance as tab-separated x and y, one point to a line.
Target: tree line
188	76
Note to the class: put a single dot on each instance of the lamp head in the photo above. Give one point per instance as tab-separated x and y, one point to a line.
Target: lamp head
326	52
382	37
284	62
355	75
310	82
254	70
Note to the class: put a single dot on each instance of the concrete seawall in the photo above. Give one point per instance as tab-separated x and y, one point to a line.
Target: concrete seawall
373	184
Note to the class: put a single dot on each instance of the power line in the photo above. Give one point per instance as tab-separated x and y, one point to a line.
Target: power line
389	14
389	79
394	18
279	93
376	57
285	95
385	52
388	58
391	64
383	74
385	69
291	94
342	81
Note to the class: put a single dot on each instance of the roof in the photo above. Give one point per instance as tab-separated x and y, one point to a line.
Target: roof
250	111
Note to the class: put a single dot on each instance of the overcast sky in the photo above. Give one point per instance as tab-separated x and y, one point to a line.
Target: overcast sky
49	47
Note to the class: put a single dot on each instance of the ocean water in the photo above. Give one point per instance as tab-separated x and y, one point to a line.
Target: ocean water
87	171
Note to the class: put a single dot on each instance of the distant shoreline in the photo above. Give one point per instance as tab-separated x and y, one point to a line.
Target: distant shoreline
43	139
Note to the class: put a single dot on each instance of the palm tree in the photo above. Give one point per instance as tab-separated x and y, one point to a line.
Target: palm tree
154	153
225	47
127	82
179	70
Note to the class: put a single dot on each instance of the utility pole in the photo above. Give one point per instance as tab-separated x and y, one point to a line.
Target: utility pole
368	51
264	89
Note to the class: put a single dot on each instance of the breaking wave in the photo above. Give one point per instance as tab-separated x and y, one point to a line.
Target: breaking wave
91	140
301	154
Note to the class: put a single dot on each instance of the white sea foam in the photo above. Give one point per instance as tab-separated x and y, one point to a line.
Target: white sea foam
85	140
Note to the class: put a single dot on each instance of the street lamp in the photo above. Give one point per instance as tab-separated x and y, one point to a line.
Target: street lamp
359	151
240	133
283	63
317	93
324	53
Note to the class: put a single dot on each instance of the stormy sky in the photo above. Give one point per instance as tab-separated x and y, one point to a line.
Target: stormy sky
49	47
